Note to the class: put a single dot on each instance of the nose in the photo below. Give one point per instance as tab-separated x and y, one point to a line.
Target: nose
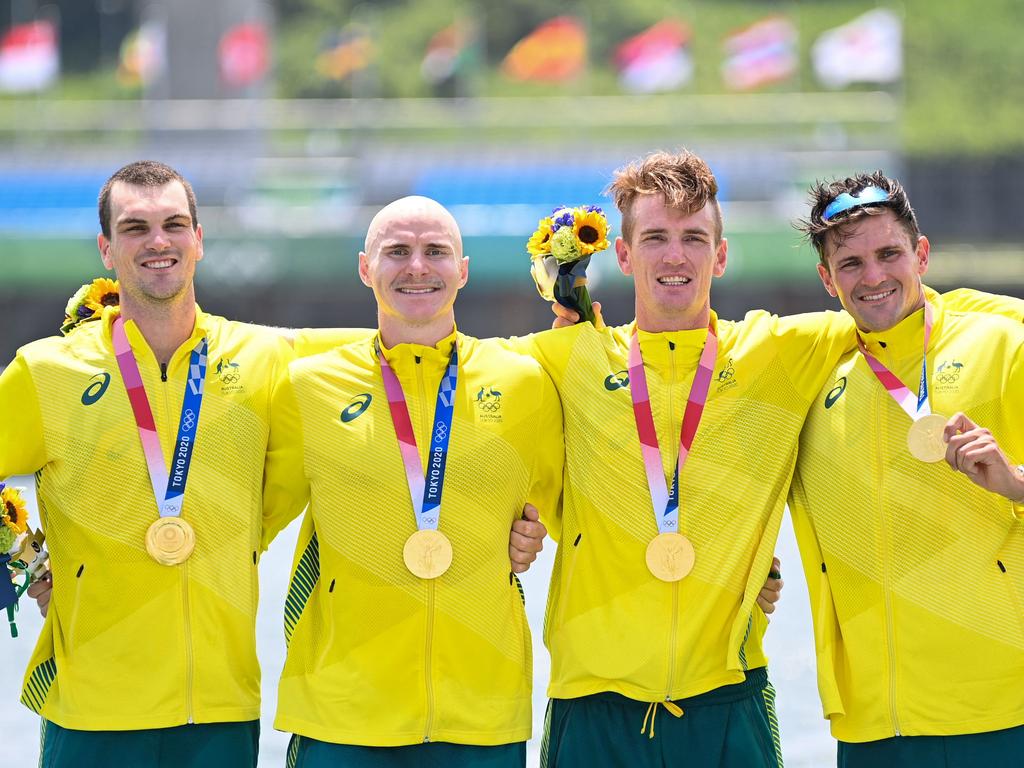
418	263
874	272
159	239
674	253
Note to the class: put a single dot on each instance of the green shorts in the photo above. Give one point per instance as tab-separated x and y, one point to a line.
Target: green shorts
226	745
969	750
730	727
304	752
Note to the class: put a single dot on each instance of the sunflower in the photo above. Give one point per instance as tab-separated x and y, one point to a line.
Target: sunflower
89	301
591	229
104	292
540	241
13	510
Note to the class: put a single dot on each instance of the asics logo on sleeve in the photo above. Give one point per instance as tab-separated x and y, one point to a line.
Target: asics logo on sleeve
356	408
835	393
96	390
618	380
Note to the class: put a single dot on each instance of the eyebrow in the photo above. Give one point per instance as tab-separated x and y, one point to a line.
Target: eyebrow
137	220
406	244
664	230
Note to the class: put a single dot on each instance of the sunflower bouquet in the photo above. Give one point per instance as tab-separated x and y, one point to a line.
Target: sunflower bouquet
88	302
561	249
22	557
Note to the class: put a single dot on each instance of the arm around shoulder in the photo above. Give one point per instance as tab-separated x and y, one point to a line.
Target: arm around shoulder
285	487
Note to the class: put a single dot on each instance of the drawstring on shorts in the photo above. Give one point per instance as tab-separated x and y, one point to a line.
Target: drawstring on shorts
652	712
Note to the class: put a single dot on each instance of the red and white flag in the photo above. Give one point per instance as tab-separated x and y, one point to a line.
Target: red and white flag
29	59
657	59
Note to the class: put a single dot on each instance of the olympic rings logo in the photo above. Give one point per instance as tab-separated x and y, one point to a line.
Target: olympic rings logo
440	432
188	421
230	378
492	406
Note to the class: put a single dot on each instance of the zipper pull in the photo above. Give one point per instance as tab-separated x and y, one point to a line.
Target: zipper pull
163	371
672	707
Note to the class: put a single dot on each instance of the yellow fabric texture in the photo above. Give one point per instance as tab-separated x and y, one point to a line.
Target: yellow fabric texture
610	625
916	574
128	643
376	655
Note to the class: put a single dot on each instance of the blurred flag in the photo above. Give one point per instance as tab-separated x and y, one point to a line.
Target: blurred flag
868	49
29	60
345	52
657	59
450	53
143	55
244	54
554	52
760	54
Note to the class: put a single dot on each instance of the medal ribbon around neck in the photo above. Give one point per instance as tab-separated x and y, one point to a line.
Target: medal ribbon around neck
665	501
168	501
424	489
916	406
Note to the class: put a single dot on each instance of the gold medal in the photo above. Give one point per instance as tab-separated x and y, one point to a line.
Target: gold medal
925	438
170	540
427	553
670	556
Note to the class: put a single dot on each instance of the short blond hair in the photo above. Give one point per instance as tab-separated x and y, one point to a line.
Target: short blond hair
685	181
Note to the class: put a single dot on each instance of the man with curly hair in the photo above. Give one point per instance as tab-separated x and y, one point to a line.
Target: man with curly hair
908	501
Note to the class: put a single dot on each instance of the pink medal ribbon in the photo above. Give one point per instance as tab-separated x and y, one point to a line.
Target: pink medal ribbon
925	439
916	406
665	501
168	489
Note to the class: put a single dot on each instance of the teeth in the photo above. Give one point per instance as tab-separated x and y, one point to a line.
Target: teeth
673	280
416	290
163	264
878	296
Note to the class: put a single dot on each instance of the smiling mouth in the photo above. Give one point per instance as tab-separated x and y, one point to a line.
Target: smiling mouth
877	296
418	290
673	280
159	264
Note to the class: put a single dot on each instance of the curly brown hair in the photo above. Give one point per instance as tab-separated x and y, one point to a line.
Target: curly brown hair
144	173
835	230
685	181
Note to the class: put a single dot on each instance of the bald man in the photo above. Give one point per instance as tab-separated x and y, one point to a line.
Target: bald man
417	448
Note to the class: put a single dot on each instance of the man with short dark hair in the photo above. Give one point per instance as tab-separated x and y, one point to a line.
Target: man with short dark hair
145	469
907	512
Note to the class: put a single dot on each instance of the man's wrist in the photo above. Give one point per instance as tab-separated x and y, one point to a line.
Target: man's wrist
1018	501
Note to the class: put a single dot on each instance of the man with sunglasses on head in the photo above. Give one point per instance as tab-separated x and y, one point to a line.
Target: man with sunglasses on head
908	501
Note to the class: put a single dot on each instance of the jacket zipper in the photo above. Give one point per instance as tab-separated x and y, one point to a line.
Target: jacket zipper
429	641
890	622
675	585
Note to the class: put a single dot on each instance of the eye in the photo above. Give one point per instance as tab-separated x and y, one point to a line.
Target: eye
653	238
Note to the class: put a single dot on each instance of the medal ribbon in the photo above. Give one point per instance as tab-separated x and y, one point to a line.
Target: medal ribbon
916	406
168	502
424	489
665	501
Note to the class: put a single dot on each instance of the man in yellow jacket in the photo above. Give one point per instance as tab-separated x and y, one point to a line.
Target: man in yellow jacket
148	651
146	430
681	437
907	512
416	448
